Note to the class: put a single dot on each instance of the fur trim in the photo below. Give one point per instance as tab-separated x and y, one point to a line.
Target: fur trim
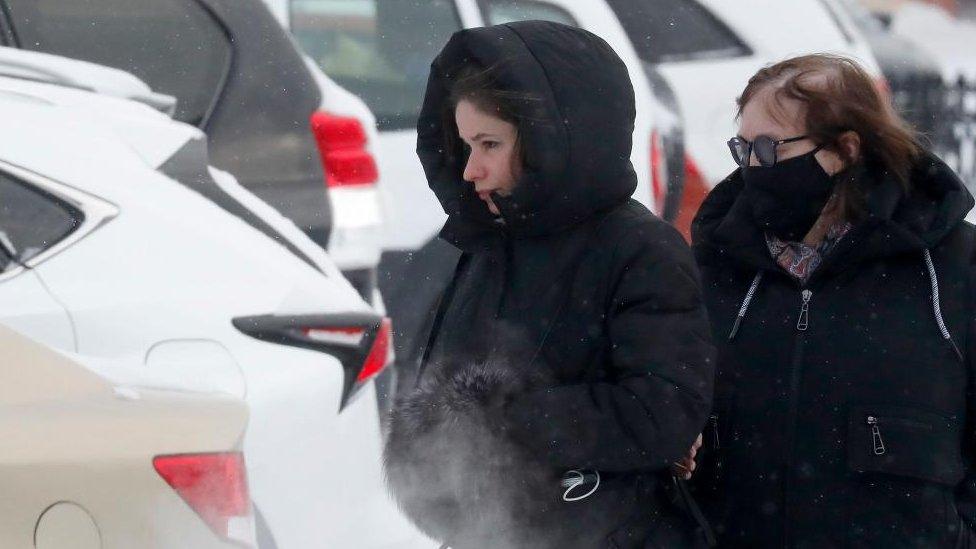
460	479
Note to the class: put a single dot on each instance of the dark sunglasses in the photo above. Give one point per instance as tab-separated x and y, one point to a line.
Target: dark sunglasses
764	147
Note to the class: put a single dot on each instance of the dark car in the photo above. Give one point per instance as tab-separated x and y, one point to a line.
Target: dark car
235	73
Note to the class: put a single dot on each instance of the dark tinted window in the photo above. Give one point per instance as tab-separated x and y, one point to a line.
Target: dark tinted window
378	49
33	220
497	12
173	45
676	30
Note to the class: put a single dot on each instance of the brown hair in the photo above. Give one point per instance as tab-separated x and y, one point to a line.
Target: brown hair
480	87
838	96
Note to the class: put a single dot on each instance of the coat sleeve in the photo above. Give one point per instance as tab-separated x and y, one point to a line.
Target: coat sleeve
655	400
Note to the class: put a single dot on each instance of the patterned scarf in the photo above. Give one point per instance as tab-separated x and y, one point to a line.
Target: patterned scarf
799	259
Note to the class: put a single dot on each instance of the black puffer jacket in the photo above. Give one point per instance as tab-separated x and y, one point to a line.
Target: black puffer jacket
857	430
573	335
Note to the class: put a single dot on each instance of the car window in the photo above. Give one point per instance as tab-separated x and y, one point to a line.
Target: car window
378	49
175	46
676	30
497	12
33	220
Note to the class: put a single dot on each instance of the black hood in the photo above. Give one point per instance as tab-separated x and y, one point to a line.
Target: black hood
577	144
897	222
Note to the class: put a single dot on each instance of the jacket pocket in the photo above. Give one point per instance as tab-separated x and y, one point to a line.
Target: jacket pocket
904	441
906	462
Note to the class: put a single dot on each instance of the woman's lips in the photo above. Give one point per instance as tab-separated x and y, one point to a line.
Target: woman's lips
485	195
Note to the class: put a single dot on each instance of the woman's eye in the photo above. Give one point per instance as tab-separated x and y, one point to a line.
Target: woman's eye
488	145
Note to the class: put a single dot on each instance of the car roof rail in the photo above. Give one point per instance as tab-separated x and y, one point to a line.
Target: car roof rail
83	75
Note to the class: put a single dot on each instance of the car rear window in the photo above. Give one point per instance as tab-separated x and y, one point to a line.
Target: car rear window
676	30
33	220
379	50
175	46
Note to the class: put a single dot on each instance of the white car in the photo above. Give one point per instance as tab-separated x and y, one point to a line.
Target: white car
92	463
708	50
116	243
283	130
945	38
382	51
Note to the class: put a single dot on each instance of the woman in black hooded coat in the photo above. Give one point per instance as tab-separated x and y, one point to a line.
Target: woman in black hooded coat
844	392
573	335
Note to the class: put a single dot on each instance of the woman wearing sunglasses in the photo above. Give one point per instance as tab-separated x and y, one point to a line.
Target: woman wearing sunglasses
838	273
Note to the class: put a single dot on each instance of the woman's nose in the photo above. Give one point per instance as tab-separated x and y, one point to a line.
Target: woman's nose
473	170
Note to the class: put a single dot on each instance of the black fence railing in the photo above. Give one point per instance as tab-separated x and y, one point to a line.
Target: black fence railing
945	114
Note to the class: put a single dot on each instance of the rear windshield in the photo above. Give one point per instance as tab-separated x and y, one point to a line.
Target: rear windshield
676	30
175	46
379	50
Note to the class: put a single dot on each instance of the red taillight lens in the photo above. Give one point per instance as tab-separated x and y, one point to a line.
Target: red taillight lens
379	349
695	190
342	148
214	485
657	172
379	354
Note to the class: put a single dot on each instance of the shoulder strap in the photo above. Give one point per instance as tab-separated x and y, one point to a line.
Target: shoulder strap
434	327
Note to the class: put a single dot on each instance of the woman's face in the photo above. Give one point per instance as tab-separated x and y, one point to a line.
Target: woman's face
757	119
492	164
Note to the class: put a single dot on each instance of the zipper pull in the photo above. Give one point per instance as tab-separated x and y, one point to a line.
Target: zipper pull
713	419
879	447
803	322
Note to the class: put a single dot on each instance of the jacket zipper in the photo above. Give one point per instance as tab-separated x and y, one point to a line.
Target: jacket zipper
713	420
802	323
879	447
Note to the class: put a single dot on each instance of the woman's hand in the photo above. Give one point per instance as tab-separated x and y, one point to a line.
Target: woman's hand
686	466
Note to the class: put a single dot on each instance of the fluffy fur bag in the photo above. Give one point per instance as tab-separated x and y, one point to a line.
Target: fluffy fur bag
461	480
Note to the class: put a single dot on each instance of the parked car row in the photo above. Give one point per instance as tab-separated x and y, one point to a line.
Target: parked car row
118	244
285	130
217	204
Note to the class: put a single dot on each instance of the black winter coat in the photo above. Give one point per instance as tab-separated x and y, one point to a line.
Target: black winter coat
573	335
843	416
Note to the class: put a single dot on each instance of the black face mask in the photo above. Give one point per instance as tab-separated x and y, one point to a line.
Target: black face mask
787	198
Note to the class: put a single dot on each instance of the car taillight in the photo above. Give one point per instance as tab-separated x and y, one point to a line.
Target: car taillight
214	485
360	341
657	172
379	350
379	355
695	190
342	148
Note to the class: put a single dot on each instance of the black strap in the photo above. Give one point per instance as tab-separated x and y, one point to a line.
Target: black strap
691	506
442	304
